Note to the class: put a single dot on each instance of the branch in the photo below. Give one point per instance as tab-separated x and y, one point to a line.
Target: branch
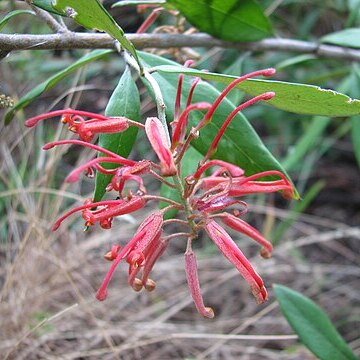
50	21
72	40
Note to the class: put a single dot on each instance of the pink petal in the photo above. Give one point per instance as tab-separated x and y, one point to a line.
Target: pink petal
234	170
152	225
218	203
240	188
243	227
230	250
194	286
158	247
126	207
87	129
156	135
102	292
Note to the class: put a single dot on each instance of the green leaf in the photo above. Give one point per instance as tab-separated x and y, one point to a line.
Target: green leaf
53	80
12	14
240	144
124	101
313	326
292	97
47	6
348	37
92	15
139	2
233	20
295	60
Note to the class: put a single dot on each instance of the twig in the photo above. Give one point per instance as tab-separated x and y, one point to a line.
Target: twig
238	329
324	237
72	40
159	339
233	337
49	20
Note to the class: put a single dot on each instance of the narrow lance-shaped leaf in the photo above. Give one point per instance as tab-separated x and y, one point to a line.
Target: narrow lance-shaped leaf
240	144
124	101
92	15
348	37
292	97
12	14
53	80
313	326
233	20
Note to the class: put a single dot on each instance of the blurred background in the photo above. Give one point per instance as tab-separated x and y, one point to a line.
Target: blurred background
48	280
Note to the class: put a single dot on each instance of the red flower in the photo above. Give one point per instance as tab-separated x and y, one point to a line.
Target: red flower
230	250
156	135
141	251
108	210
242	185
243	227
86	129
194	286
203	199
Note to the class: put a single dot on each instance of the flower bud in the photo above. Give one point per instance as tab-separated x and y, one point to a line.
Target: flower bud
150	285
137	285
157	137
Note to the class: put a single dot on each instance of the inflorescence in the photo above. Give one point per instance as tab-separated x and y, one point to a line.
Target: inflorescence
205	200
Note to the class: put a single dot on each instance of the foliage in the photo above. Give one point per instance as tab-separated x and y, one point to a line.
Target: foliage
221	17
312	325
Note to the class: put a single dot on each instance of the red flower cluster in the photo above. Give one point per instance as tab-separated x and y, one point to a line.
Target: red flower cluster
205	200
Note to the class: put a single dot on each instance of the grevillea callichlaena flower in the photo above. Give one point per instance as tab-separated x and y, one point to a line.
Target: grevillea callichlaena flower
206	200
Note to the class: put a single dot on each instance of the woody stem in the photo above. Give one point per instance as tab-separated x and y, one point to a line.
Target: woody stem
185	202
